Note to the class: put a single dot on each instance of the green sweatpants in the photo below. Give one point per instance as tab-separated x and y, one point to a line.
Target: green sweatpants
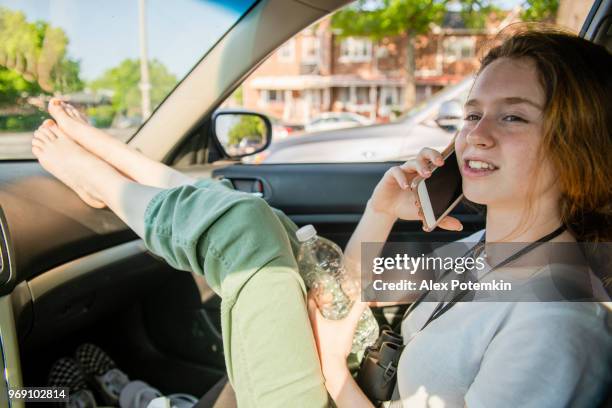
246	250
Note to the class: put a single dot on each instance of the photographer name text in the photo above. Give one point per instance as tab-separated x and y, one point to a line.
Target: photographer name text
430	285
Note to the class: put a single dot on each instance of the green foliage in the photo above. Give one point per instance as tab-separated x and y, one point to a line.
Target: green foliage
101	116
20	43
248	126
66	76
13	86
381	18
474	12
124	79
540	10
36	53
22	123
378	19
32	62
238	96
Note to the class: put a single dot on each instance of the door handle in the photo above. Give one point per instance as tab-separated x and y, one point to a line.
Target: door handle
248	185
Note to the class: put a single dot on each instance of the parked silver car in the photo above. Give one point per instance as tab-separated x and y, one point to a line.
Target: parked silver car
336	120
431	124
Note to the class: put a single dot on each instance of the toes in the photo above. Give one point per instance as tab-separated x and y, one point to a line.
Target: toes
68	108
36	150
37	143
56	108
55	103
40	136
50	133
57	131
62	111
48	123
75	113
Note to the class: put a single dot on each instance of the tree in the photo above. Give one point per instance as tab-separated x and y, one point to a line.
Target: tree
66	76
19	43
33	58
474	13
124	79
249	127
389	18
540	10
13	85
377	19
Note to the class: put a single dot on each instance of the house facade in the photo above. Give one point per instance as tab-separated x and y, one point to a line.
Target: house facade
318	71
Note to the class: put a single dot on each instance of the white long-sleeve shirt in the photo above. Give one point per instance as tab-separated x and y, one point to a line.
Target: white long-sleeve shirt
506	354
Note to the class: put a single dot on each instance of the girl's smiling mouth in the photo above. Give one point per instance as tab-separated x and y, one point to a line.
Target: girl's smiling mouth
473	167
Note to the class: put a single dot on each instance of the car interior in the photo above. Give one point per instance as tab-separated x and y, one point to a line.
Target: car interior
72	274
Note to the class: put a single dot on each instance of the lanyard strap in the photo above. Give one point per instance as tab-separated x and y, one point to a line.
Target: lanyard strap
442	308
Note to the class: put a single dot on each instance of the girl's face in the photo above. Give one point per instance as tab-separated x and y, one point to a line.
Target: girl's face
498	144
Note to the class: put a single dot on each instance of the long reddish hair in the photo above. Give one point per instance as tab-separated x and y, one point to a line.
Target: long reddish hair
576	76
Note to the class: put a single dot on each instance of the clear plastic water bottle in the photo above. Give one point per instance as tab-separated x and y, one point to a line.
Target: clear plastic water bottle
321	265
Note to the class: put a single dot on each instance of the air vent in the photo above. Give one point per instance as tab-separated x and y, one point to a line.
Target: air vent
6	261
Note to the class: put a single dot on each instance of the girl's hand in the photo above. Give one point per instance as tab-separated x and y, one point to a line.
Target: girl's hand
393	195
334	337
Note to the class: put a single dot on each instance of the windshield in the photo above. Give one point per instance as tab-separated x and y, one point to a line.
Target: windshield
115	61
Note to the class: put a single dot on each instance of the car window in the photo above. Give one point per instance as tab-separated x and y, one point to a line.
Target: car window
116	65
358	98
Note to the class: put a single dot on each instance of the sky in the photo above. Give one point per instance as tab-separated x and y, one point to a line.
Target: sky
102	34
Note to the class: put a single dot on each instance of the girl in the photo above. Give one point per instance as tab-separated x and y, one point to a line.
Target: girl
538	114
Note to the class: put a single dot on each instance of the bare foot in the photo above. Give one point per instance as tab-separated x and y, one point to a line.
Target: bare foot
116	153
126	160
66	160
74	113
68	109
76	126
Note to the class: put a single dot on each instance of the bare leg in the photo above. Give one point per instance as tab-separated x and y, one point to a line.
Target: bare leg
254	333
93	179
128	161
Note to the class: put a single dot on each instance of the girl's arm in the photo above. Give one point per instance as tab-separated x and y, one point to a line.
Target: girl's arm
344	390
374	226
334	339
391	200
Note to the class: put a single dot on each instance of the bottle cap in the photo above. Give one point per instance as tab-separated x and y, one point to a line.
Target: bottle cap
305	233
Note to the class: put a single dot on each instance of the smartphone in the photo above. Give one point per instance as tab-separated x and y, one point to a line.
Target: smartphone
441	192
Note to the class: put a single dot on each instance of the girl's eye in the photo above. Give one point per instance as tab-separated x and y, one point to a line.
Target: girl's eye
514	118
472	117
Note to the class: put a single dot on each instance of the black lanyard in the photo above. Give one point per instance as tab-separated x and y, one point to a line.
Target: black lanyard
442	308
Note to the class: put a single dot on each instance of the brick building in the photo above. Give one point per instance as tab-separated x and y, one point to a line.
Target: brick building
572	14
318	71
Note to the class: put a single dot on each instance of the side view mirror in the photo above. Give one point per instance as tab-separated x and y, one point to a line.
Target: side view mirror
450	115
241	133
